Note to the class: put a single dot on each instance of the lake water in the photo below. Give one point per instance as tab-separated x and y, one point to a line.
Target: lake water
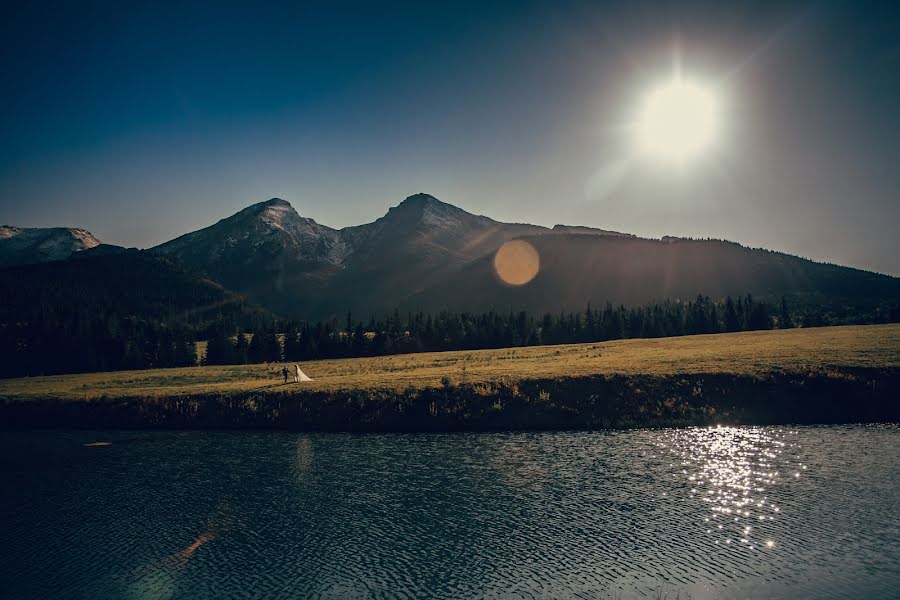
765	512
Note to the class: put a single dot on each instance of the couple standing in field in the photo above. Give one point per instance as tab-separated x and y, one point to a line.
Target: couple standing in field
298	374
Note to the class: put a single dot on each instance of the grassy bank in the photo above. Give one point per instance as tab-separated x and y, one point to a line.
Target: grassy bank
834	374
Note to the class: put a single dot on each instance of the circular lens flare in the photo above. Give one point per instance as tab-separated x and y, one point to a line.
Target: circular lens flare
517	262
677	121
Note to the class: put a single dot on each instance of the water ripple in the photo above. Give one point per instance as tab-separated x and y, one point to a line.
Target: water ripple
701	513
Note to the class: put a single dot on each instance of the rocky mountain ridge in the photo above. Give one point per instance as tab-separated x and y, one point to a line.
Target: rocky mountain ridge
31	245
425	254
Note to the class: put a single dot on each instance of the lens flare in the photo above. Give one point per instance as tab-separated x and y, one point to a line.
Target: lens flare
517	262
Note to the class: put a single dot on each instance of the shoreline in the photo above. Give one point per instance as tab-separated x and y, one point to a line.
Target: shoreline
799	376
835	396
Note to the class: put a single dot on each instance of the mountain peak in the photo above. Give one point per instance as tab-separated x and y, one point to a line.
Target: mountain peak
422	202
271	203
20	245
428	210
8	231
274	211
265	235
420	199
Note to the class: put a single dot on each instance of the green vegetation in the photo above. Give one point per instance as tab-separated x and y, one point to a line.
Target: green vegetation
830	367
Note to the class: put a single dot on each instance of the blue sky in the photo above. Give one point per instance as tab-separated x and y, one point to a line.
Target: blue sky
141	122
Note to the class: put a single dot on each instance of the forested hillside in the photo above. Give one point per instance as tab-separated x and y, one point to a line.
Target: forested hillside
108	312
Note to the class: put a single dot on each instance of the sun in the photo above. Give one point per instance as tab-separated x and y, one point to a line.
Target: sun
677	121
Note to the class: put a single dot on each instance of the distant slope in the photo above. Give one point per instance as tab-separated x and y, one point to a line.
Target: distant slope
22	246
579	229
576	269
126	284
117	310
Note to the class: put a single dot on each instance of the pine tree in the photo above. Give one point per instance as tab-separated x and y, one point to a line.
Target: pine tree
271	348
219	350
185	352
785	321
256	351
292	348
242	353
731	318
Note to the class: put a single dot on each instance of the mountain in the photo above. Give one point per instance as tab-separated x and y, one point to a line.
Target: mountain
429	255
418	243
267	252
22	246
303	269
262	232
576	269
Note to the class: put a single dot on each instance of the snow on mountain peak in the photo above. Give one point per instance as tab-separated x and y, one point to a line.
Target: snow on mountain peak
278	214
8	231
86	238
34	245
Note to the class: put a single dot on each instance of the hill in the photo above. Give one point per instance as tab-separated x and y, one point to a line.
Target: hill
111	310
576	269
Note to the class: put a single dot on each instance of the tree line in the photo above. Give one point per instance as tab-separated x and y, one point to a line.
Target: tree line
52	338
448	330
129	311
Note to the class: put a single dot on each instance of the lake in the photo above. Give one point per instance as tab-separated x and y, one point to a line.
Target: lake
763	512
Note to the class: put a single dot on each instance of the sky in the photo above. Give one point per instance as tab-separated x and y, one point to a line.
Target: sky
144	121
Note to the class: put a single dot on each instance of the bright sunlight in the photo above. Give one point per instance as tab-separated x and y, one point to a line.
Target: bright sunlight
677	121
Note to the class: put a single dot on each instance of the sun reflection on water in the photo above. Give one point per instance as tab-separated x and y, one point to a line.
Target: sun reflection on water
731	471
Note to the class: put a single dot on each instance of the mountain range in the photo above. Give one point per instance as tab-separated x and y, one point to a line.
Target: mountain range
299	267
428	255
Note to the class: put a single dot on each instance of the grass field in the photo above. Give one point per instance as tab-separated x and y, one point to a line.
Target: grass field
741	354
